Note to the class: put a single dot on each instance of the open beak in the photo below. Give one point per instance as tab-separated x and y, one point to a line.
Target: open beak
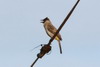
42	21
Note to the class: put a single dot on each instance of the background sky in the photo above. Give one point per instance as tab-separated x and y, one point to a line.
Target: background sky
21	31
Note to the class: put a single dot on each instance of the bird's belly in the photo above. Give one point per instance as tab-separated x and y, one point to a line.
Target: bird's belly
49	33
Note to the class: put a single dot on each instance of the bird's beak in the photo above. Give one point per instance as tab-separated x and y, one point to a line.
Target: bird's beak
42	21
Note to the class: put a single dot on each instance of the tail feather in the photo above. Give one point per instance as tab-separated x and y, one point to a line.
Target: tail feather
60	46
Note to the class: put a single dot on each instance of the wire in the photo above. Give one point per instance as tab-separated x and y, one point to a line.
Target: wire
65	20
36	47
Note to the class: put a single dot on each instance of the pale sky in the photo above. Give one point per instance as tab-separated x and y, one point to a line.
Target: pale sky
21	31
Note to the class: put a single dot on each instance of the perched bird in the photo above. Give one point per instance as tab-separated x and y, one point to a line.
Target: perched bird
51	30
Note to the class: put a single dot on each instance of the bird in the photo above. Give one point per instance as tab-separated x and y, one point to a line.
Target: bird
51	30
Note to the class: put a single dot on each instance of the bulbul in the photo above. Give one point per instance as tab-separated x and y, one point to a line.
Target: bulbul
51	30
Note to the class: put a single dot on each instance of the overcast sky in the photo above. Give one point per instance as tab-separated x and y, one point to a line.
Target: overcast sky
21	31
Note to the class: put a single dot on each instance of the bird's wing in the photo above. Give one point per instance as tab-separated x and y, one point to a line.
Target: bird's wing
53	30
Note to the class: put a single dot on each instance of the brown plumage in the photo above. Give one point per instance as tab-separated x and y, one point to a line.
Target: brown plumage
51	30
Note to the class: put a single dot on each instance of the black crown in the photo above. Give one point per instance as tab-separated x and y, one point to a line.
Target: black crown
45	19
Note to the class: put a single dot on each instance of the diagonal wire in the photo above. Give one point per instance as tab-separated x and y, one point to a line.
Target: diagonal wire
65	20
67	17
34	62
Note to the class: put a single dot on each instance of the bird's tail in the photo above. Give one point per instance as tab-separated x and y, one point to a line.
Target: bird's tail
60	46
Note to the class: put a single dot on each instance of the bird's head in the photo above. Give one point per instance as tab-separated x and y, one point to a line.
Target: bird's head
44	20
